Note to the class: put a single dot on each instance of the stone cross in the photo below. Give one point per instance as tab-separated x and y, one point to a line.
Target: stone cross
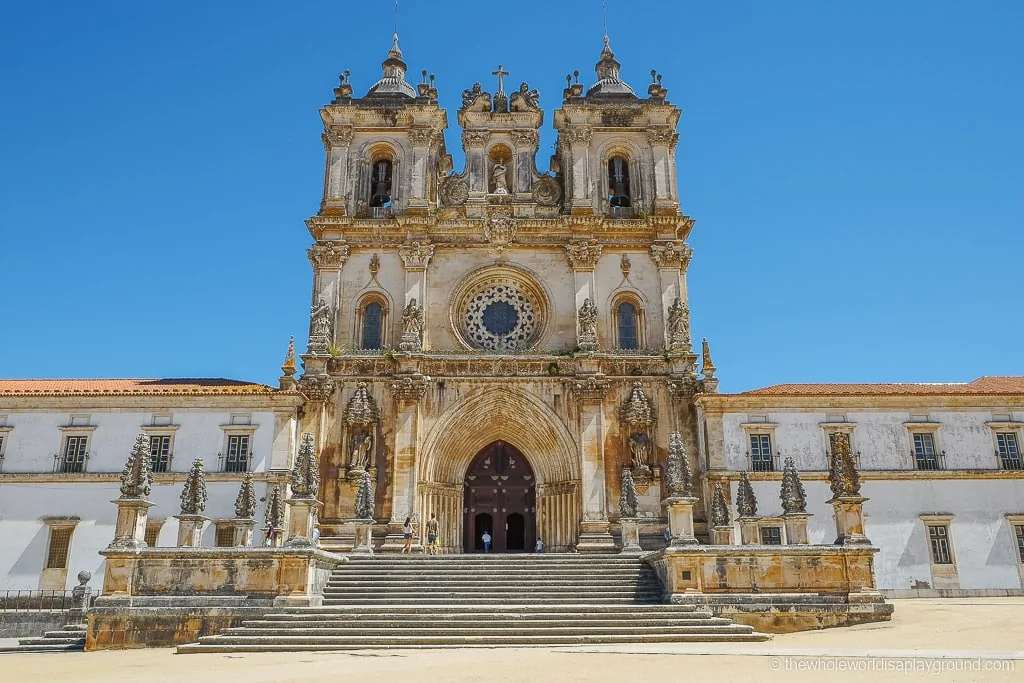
499	73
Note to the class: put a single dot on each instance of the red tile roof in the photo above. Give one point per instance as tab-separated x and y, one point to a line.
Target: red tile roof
122	387
983	386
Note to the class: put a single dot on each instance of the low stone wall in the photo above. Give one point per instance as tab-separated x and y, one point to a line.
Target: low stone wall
30	624
775	589
160	597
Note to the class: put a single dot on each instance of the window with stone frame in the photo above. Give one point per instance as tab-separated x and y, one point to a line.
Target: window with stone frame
1009	451
627	325
160	452
925	455
761	459
1018	532
938	538
225	536
74	454
59	547
237	457
372	333
771	535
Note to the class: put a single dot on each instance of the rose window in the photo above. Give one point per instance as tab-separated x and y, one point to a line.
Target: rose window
500	317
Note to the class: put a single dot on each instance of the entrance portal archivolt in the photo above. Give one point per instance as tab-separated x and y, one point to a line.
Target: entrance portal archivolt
532	428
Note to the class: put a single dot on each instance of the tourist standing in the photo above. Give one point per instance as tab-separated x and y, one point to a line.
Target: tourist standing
539	548
407	535
486	538
268	534
433	526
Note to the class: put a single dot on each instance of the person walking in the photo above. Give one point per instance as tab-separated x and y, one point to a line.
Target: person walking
433	526
486	538
407	535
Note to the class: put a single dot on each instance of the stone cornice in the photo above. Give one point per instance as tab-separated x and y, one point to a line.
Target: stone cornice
718	404
872	475
166	478
100	404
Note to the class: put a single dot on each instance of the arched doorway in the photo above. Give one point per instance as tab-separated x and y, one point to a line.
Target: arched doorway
500	498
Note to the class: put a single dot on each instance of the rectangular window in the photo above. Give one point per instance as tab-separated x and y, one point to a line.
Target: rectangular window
160	453
238	454
1019	532
924	452
225	536
1009	451
152	534
761	453
60	543
771	535
938	535
76	452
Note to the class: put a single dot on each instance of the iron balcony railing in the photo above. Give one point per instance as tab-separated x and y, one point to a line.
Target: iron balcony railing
35	601
235	462
1010	460
764	462
161	463
70	463
929	461
380	212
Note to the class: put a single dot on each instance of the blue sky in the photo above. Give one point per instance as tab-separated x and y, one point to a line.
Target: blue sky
856	171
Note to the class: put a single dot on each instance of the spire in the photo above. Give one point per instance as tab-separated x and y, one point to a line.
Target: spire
288	368
707	366
364	497
746	501
679	476
628	500
608	81
137	476
245	503
719	508
305	479
792	492
193	496
393	83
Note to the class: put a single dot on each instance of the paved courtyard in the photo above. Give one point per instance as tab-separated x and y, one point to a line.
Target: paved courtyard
949	640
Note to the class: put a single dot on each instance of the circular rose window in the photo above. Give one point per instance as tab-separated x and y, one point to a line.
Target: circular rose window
498	309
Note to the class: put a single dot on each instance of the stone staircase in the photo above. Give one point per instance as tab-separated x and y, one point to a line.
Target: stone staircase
71	638
480	600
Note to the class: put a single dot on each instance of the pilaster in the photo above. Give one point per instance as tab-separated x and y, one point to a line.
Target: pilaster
408	393
415	258
590	393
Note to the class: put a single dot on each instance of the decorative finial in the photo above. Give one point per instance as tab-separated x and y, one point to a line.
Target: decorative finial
288	368
628	500
792	492
719	508
364	497
275	507
193	497
680	478
746	502
245	503
305	478
843	478
395	51
708	367
137	476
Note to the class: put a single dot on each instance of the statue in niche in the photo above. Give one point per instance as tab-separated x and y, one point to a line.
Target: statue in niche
499	179
678	326
361	446
361	417
320	325
640	449
412	327
588	326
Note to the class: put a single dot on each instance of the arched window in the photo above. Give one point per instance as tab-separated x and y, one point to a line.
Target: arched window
380	183
626	320
372	336
618	182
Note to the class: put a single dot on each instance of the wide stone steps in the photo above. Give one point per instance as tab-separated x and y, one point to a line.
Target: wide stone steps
480	601
71	638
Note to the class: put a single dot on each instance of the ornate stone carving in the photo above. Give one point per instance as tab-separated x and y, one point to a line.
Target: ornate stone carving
719	508
476	99
662	135
707	366
587	318
364	497
137	475
412	327
421	137
501	318
583	255
316	388
328	255
193	496
454	191
245	503
547	191
361	418
792	491
411	389
589	388
275	507
498	178
288	367
843	478
339	136
637	416
678	326
500	231
475	138
628	501
674	254
305	475
374	265
525	138
680	479
581	134
746	502
416	256
525	99
625	265
321	327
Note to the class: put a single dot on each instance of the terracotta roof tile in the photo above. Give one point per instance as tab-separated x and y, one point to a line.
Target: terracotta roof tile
203	386
983	386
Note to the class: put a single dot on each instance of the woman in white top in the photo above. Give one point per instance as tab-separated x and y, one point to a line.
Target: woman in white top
407	535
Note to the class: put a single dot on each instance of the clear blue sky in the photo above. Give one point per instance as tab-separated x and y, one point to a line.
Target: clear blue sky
856	171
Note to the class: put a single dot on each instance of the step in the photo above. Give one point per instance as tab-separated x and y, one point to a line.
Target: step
711	624
483	622
70	640
563	610
15	649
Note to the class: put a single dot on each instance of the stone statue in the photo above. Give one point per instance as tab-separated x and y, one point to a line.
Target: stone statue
412	327
193	496
587	317
364	497
640	449
476	97
361	447
320	327
137	476
679	477
678	326
628	501
305	476
525	99
746	501
792	492
719	508
245	503
498	176
843	478
361	416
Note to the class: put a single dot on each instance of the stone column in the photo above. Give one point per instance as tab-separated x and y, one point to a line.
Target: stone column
130	528
680	519
662	140
300	522
594	528
364	537
749	532
723	535
672	258
849	511
583	256
327	260
190	530
630	536
579	159
336	141
408	392
416	257
796	527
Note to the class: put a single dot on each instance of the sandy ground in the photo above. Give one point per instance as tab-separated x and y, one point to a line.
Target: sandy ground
947	640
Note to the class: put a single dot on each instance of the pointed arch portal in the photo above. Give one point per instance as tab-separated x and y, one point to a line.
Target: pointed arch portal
500	499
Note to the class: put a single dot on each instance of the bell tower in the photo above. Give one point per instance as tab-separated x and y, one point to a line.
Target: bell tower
616	151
